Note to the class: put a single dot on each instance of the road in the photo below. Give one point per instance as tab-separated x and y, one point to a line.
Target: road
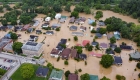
19	59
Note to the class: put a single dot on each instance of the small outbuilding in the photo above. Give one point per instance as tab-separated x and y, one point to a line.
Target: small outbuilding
47	18
58	16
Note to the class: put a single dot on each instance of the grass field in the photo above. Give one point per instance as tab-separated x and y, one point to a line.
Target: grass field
17	75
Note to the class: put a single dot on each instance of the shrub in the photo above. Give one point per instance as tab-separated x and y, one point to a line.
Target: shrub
69	39
130	59
80	70
76	72
120	77
66	62
117	50
135	69
57	29
85	62
67	73
75	38
58	59
139	75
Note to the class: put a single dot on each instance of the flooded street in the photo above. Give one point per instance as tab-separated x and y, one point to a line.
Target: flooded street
93	66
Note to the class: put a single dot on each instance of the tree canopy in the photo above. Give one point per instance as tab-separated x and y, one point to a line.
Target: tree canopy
85	76
113	40
27	71
105	78
106	61
17	47
75	14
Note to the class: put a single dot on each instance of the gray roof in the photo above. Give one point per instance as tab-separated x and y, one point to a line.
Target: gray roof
94	43
62	20
4	42
9	46
98	35
33	46
56	74
56	25
77	33
73	28
49	32
135	55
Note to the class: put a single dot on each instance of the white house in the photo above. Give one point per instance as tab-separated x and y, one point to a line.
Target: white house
48	19
58	16
55	53
32	49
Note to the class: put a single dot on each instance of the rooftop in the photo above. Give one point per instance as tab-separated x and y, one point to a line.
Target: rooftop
33	46
4	42
42	71
135	55
56	74
94	77
117	60
54	51
73	76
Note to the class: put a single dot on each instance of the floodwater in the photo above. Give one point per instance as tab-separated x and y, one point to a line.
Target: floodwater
93	66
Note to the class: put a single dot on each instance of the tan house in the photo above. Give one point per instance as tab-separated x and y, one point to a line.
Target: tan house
32	49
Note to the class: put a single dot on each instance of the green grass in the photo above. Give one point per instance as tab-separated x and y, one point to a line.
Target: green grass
17	75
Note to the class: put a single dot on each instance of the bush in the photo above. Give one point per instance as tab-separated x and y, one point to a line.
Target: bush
117	50
2	72
57	29
138	65
85	62
130	59
120	77
135	69
75	38
76	72
93	24
139	75
66	62
69	39
58	59
80	70
67	73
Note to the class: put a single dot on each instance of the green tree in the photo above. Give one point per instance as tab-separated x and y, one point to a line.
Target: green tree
138	65
57	7
89	47
85	76
66	62
67	73
17	47
106	61
113	40
75	14
117	50
105	78
67	7
102	30
14	36
120	77
2	71
87	10
75	38
27	71
93	24
99	14
4	22
79	49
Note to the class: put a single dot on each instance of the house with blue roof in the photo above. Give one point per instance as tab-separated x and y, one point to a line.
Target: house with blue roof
117	35
117	60
7	36
42	72
93	77
90	21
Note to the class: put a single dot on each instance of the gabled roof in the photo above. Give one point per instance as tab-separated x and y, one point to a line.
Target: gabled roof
72	19
56	75
83	56
85	42
126	47
54	51
101	23
112	46
65	53
98	35
82	27
10	26
103	45
94	43
33	36
42	71
73	53
56	25
38	31
62	41
135	55
73	76
30	29
90	21
73	28
49	32
109	36
117	60
4	42
111	52
26	26
3	27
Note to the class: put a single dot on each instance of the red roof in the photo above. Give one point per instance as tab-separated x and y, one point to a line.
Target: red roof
85	42
78	44
26	27
95	54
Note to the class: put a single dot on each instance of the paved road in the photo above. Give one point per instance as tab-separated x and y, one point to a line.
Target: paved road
19	59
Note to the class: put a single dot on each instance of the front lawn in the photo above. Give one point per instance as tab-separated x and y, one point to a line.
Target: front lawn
17	75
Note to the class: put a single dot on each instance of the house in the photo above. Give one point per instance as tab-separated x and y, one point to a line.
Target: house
90	21
80	20
25	27
73	28
117	35
56	75
7	36
73	53
110	52
33	38
8	47
55	53
32	49
85	42
77	34
41	61
54	26
97	29
82	28
101	23
47	18
135	55
72	19
45	25
49	32
64	17
98	35
93	77
109	36
117	60
72	76
96	54
4	42
126	47
58	16
11	27
18	28
42	71
59	46
62	20
36	23
103	45
65	53
29	30
3	28
91	28
94	43
112	46
38	31
82	56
